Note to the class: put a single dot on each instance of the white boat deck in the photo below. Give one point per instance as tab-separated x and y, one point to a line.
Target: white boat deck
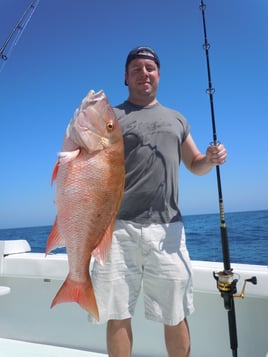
28	327
15	348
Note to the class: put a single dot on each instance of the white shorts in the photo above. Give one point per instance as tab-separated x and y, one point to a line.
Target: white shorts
154	256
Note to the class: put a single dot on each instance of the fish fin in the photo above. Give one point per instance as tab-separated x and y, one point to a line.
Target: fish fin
54	239
63	158
100	253
67	156
80	292
55	172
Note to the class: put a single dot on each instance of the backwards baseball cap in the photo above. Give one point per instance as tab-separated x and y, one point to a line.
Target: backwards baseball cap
138	52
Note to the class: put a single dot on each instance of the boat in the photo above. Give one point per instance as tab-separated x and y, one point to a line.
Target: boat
29	327
29	281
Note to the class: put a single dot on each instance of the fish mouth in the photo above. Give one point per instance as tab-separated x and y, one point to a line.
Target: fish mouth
92	95
92	98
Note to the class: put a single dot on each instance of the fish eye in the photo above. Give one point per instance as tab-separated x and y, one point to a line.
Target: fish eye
109	125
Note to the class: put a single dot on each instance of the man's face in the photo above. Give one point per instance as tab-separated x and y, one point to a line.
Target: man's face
142	77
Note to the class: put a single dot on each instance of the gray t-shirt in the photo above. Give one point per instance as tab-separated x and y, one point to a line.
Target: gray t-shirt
152	139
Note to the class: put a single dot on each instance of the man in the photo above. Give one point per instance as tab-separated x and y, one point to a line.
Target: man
149	242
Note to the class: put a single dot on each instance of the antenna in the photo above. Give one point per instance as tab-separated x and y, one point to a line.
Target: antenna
16	33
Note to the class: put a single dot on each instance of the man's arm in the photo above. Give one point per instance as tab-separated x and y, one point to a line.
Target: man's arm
198	163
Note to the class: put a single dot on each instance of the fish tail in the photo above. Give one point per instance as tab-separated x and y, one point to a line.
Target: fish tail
82	293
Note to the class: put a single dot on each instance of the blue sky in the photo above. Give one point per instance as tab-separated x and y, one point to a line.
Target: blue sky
69	47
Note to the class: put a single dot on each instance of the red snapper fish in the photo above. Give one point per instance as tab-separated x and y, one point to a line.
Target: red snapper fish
89	176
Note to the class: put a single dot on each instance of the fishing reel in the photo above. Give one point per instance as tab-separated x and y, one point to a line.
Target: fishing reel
226	284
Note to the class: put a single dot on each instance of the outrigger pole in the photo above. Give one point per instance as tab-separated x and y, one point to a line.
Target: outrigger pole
226	283
16	32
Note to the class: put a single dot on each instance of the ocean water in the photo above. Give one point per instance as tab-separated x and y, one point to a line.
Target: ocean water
247	235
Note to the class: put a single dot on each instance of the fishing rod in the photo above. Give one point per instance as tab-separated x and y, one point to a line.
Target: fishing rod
226	282
16	32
